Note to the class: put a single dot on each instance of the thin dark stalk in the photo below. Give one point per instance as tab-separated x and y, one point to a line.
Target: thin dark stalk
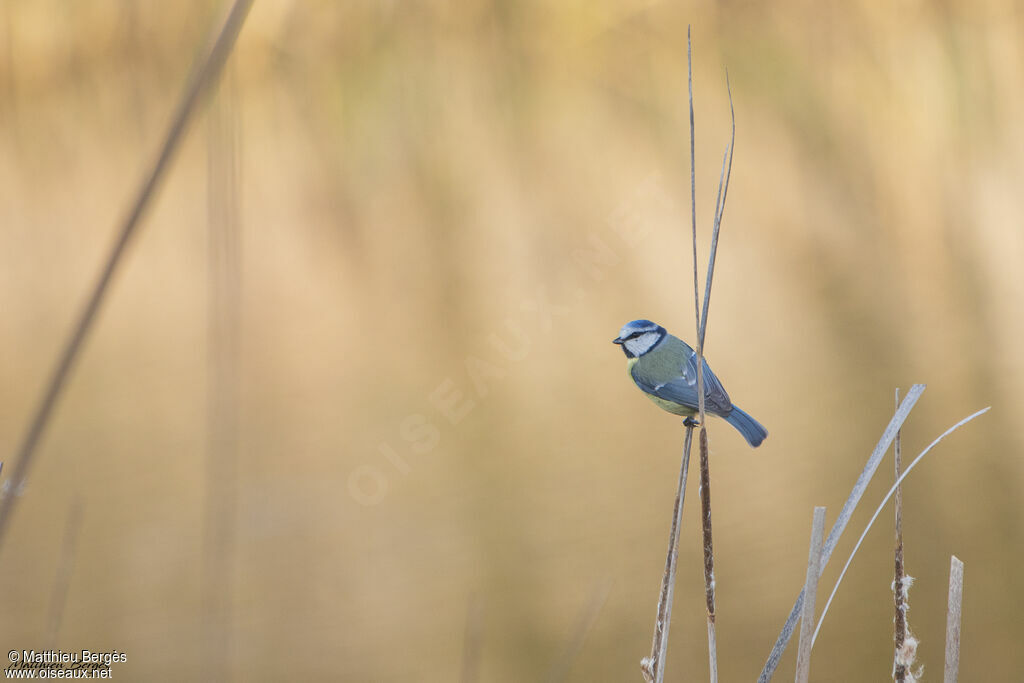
723	194
701	316
900	593
653	667
693	196
705	471
199	84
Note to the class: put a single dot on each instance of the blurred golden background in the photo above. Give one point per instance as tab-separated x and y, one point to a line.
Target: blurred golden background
446	211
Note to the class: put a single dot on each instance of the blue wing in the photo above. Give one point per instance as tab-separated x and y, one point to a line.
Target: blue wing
682	388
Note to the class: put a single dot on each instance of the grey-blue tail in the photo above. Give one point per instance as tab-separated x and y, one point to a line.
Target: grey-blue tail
750	428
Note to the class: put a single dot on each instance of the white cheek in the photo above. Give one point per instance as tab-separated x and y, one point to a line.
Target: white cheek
635	346
642	344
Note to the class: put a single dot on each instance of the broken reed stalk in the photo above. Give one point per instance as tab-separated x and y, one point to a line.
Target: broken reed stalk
899	672
803	657
653	667
208	70
956	596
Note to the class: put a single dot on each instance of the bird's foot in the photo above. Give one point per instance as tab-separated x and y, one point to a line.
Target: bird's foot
691	423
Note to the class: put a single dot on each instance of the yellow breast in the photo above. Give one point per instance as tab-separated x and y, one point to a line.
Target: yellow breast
670	406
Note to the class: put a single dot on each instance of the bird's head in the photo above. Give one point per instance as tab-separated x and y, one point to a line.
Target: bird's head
638	337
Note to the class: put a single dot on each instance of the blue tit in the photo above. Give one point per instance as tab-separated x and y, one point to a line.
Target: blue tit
665	368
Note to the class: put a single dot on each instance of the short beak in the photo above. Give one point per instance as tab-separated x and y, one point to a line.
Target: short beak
617	340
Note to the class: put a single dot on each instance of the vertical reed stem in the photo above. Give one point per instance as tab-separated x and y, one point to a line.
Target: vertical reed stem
709	553
956	596
900	622
653	667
